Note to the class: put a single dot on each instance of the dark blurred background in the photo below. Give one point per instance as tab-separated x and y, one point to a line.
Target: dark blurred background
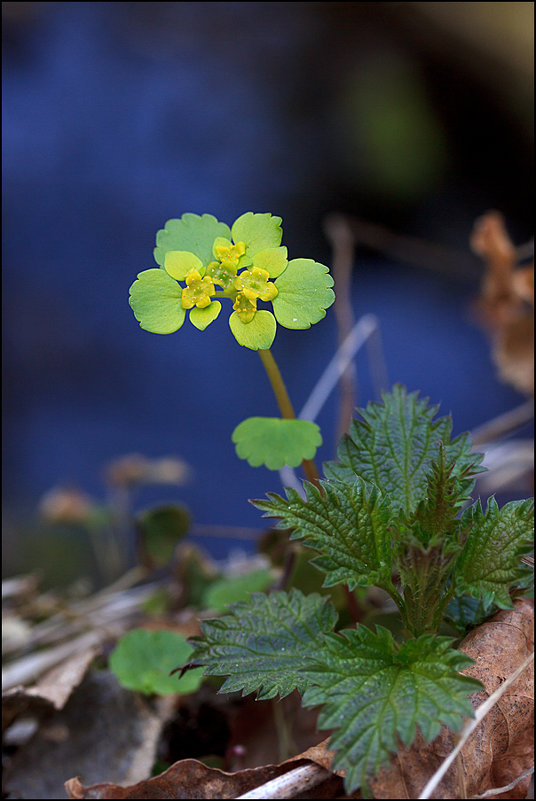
120	116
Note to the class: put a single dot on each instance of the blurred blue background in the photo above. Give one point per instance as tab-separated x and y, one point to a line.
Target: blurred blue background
119	116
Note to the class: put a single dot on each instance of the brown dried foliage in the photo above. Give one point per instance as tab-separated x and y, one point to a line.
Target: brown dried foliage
498	751
506	303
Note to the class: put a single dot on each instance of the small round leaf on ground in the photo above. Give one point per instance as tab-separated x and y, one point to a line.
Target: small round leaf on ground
144	659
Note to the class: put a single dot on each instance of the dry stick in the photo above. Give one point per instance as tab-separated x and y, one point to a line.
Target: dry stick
462	787
500	790
365	327
418	252
503	424
471	725
343	244
290	784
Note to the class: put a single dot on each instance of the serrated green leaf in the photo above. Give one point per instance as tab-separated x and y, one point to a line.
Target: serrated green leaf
155	299
394	446
264	643
257	231
191	232
274	442
496	540
347	523
232	589
435	520
159	531
374	692
144	659
201	318
304	294
257	334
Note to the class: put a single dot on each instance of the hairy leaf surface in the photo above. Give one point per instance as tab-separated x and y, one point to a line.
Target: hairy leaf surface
497	539
346	523
264	643
374	692
394	446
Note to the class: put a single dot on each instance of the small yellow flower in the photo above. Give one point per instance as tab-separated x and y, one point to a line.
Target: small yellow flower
198	291
245	307
228	254
254	284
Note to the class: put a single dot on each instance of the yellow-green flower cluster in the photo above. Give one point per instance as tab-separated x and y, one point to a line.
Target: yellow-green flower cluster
245	264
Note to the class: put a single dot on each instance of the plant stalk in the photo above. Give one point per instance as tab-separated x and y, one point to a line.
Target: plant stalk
285	405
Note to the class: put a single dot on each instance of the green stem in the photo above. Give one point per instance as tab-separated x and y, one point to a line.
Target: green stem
285	405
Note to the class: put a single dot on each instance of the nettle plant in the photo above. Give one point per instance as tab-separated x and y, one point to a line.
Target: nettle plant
391	513
202	263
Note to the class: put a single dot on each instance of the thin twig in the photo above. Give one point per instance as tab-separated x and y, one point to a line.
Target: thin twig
365	327
417	252
471	725
462	787
507	787
504	424
291	783
359	334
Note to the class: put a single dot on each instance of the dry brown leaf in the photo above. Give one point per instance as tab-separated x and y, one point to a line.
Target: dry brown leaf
497	752
506	303
192	779
501	748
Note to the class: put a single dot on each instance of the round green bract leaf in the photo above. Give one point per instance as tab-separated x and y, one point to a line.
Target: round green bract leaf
257	231
274	442
257	334
178	263
155	299
236	588
304	294
273	260
192	232
144	659
159	531
203	317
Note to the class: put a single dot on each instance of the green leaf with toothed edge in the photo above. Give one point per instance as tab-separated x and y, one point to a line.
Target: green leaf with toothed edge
394	446
257	232
264	643
489	563
374	692
193	233
347	524
274	442
304	294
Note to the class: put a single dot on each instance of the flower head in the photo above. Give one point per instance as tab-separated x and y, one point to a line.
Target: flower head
245	264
